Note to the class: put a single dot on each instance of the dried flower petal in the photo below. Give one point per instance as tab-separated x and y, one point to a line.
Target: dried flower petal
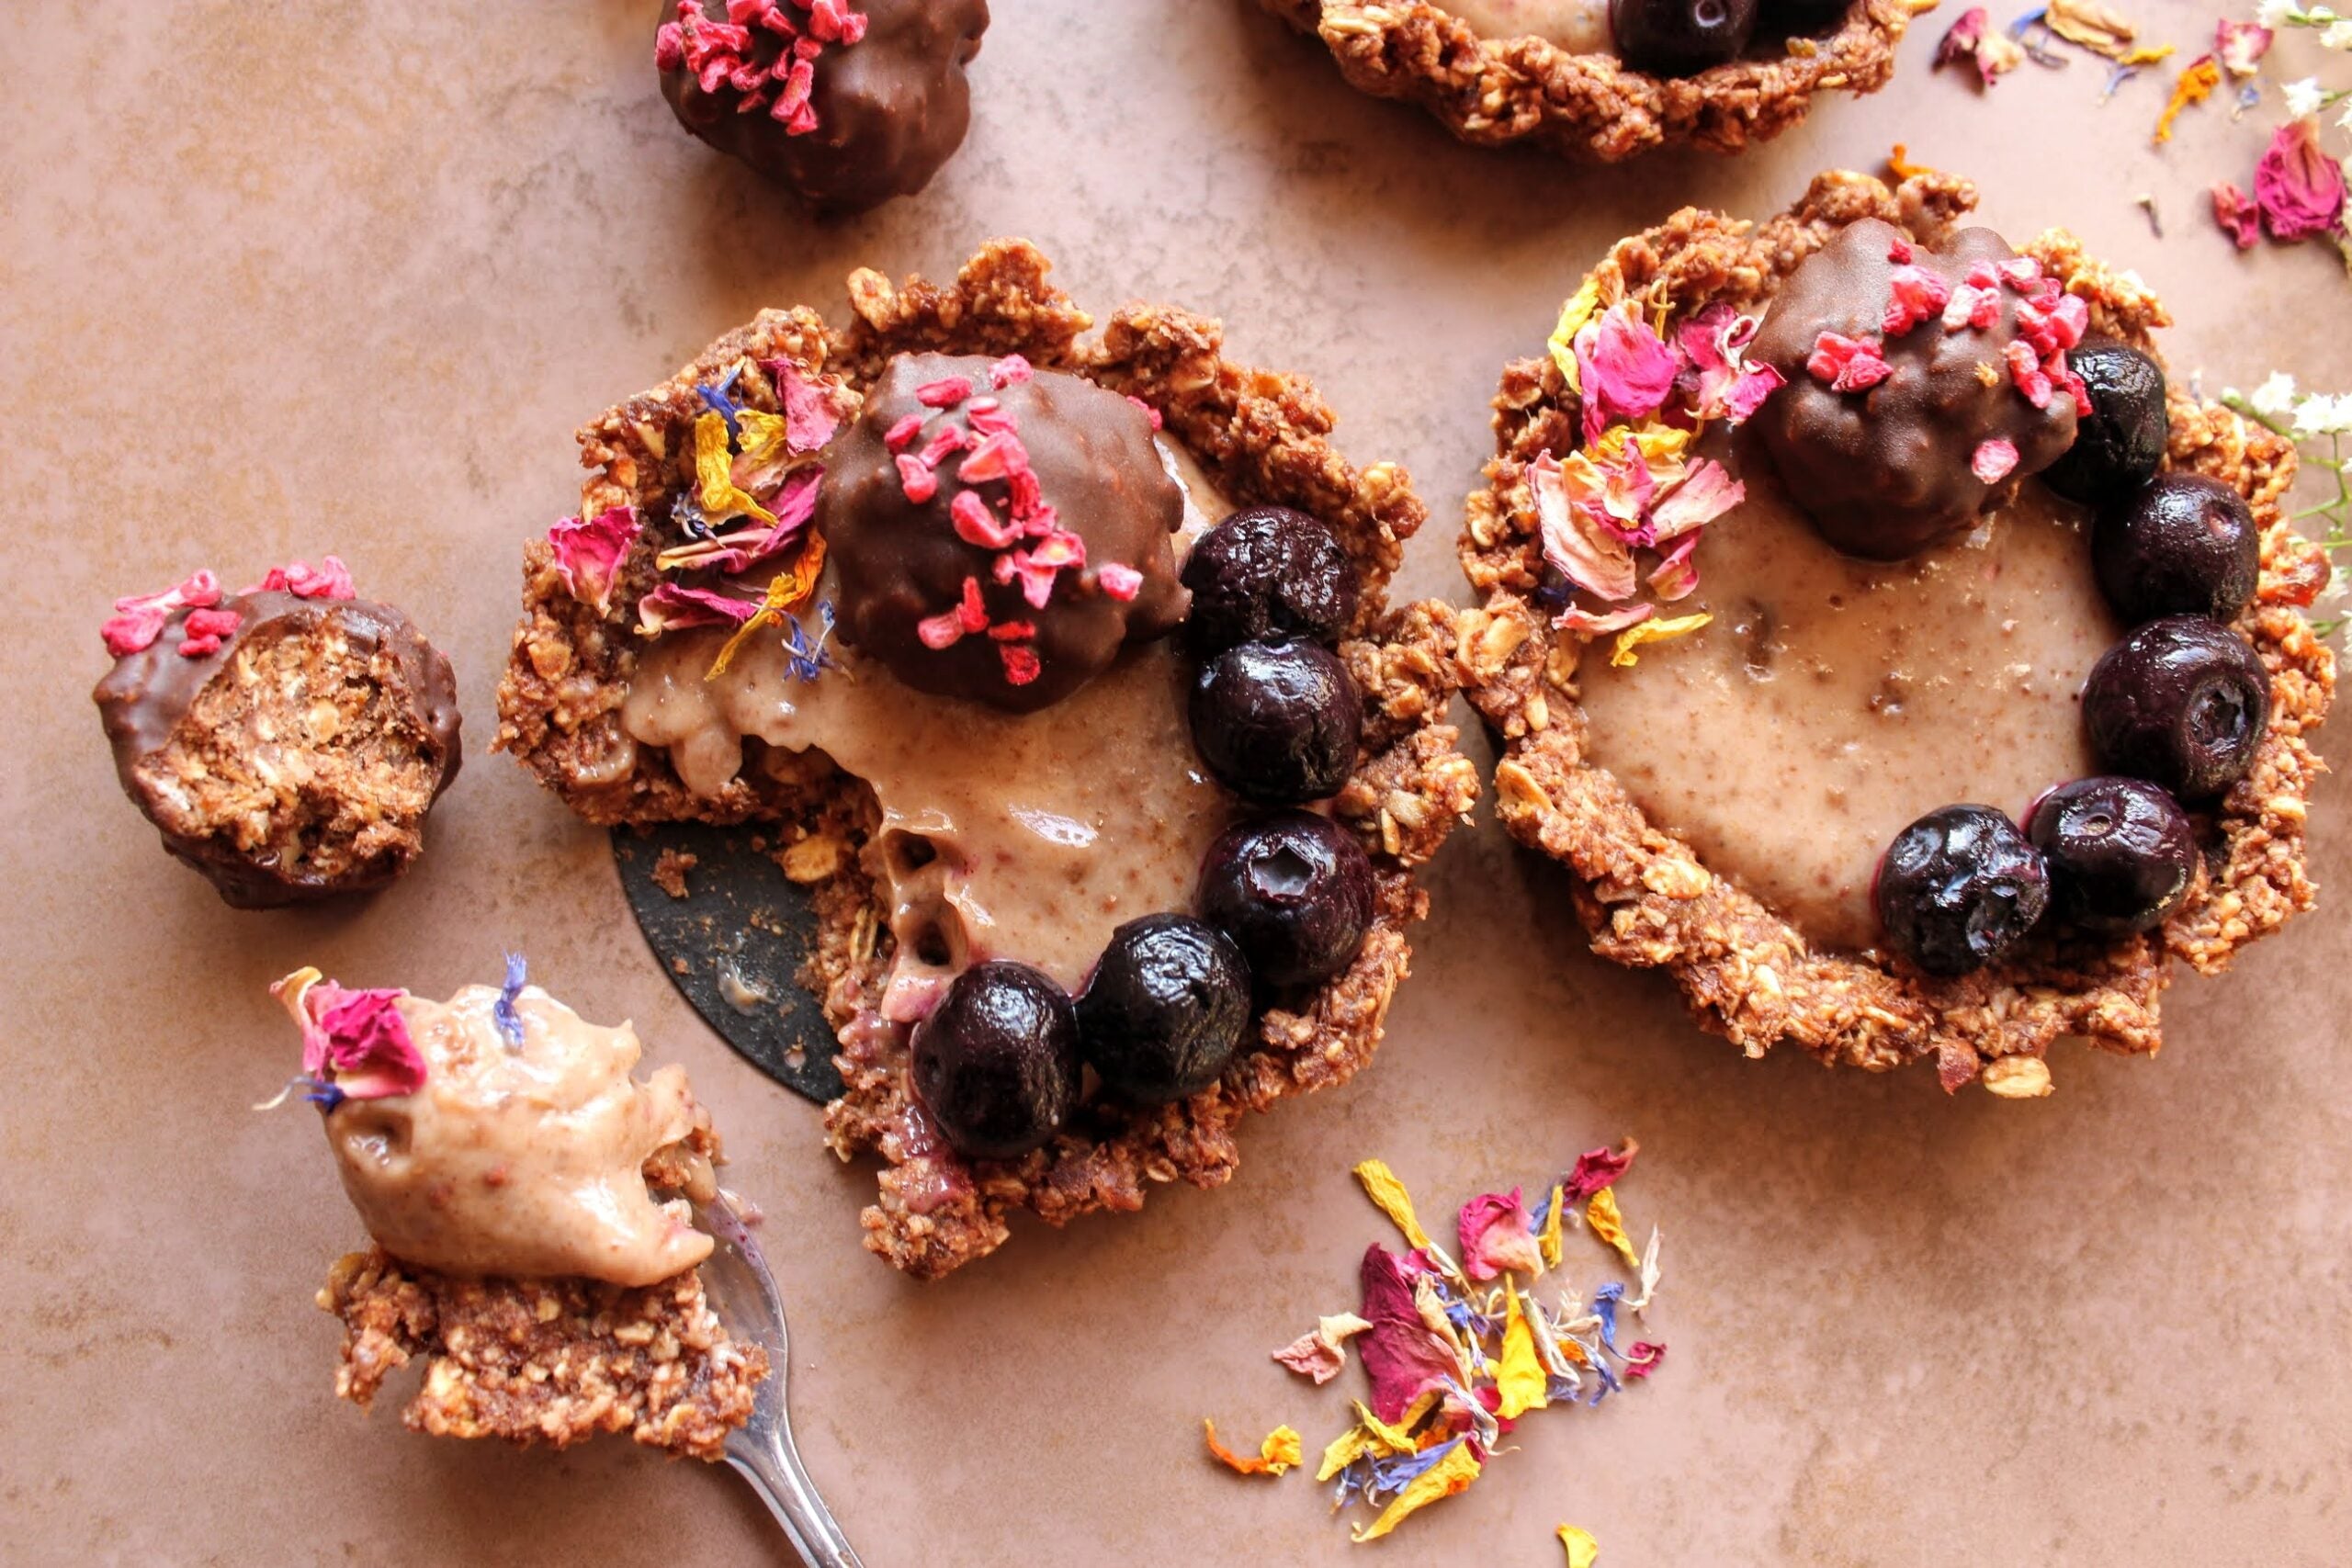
2099	29
2195	85
1632	638
1600	1213
1403	1357
1582	1550
1576	543
715	474
1388	1195
1320	1353
1714	341
2234	210
1497	1234
1519	1380
1582	623
1625	370
1641	1358
1451	1469
2240	46
589	553
1599	1169
1275	1456
1554	1211
355	1040
1009	371
673	606
808	413
1581	308
787	590
1706	491
2299	187
503	1016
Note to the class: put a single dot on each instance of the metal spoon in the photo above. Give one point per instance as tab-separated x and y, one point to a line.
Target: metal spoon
742	1292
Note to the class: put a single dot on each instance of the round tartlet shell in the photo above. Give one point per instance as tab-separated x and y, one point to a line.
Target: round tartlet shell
1263	436
1590	108
1746	973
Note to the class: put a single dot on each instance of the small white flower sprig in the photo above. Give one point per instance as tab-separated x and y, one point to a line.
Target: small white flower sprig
2317	424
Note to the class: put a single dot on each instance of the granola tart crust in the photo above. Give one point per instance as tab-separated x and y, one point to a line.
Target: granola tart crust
1744	972
1262	436
1590	108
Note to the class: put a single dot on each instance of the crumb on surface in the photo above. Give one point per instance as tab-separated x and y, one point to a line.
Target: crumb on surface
670	870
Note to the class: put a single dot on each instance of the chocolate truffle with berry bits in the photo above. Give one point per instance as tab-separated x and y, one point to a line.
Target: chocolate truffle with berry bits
847	102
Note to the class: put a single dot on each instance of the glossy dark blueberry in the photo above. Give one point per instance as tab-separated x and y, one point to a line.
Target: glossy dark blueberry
2121	444
1960	887
1166	1010
996	1063
2182	702
2182	545
1266	573
1277	722
1792	18
1680	37
1293	891
2121	852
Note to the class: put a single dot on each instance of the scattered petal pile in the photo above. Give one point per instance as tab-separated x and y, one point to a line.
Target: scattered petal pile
1456	1354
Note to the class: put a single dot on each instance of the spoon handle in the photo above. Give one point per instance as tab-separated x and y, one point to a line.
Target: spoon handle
764	1452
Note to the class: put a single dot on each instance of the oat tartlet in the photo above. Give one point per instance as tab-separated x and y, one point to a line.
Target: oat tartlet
1745	971
527	1202
1247	439
1586	103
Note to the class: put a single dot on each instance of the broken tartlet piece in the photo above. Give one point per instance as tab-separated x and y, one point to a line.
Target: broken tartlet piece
1066	672
847	102
1889	654
287	740
506	1163
1603	79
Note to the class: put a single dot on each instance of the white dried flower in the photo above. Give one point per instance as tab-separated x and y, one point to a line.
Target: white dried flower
2320	414
2275	14
2274	396
2339	35
2305	98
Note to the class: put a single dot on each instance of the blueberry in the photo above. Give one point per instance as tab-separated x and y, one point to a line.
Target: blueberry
2182	703
2183	545
2121	852
1293	891
1680	37
1266	573
1277	723
1959	888
996	1063
2121	444
1166	1010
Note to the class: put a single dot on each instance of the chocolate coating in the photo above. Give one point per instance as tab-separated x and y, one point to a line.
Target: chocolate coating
1885	473
890	109
899	561
148	695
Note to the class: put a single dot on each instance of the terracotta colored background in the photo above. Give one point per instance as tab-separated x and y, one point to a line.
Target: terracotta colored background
273	284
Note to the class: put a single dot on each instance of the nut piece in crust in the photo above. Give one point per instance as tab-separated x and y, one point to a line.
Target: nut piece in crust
847	102
1492	92
1747	972
288	741
1257	437
501	1155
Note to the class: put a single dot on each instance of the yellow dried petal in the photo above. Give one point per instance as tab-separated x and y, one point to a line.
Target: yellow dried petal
2195	85
715	473
1449	1475
1282	1449
786	589
1600	1213
1582	1550
1902	167
1652	630
760	437
1580	309
1519	1374
1275	1456
1379	1185
2102	30
1550	1240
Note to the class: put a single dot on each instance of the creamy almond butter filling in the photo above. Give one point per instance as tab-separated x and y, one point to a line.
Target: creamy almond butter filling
1026	837
1580	26
1834	700
521	1160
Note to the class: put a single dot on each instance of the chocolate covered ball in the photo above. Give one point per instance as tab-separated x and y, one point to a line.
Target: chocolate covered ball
1913	407
847	102
287	748
999	534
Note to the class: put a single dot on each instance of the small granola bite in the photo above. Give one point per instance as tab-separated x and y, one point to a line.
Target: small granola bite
287	740
847	102
1095	879
504	1160
1603	79
2005	746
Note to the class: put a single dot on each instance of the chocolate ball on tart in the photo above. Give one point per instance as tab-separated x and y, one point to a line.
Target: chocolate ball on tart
1599	80
916	592
846	102
1834	706
528	1202
286	741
